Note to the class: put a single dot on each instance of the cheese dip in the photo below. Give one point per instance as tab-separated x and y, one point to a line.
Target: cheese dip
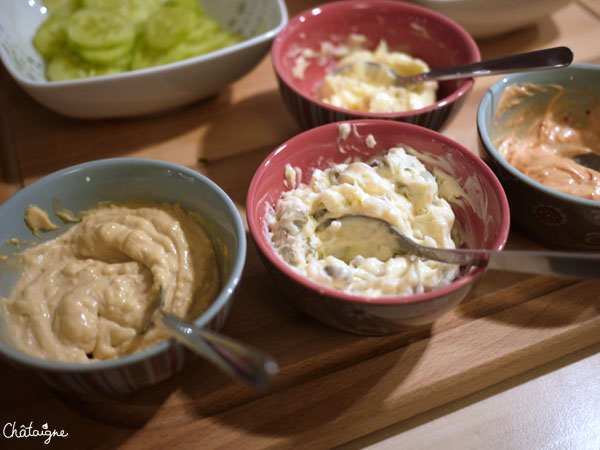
353	88
396	188
84	295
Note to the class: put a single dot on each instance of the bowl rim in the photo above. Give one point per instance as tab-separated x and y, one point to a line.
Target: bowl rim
160	69
256	228
485	103
218	304
464	88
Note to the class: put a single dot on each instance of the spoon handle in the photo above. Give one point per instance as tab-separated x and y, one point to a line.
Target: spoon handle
581	265
576	264
239	360
540	59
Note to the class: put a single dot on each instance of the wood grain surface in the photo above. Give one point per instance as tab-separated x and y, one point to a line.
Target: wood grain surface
333	387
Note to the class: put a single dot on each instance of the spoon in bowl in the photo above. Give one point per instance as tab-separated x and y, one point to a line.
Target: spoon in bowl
589	160
235	358
550	58
372	237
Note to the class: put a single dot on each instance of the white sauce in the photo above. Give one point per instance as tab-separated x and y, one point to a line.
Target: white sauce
396	188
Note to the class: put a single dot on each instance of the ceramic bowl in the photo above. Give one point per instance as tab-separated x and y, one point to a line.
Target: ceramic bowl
146	91
484	18
124	179
555	219
420	32
482	220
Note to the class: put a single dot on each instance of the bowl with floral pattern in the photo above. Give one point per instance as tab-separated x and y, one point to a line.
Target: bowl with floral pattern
480	209
566	100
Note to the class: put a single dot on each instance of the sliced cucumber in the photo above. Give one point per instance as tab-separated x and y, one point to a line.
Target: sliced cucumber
50	36
95	29
136	11
205	37
192	4
168	26
144	57
63	6
204	28
85	38
119	55
67	66
215	41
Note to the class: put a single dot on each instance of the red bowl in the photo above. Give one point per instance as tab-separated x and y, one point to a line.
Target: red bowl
482	220
415	30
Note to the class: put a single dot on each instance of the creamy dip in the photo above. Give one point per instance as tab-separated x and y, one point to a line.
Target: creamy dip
84	295
396	188
356	89
37	219
561	131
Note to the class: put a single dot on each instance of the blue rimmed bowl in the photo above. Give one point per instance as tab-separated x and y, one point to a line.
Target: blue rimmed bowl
412	29
552	217
124	179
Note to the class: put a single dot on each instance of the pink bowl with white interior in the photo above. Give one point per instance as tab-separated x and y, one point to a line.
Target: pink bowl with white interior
482	220
408	28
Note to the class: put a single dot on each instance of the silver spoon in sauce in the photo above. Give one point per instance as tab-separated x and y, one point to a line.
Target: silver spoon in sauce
589	160
371	237
235	358
550	58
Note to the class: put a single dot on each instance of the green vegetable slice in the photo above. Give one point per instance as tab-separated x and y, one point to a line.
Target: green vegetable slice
216	41
62	6
50	37
168	26
205	28
192	4
94	29
86	38
118	56
136	11
67	66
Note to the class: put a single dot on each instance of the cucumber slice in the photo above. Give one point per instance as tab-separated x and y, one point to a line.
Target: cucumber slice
95	29
204	28
86	38
50	36
192	4
61	5
118	56
67	66
136	11
144	57
168	26
206	36
213	42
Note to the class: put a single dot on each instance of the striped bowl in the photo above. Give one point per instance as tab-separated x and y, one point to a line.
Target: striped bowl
124	179
412	29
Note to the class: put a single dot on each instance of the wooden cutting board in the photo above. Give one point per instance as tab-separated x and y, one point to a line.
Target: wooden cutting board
333	387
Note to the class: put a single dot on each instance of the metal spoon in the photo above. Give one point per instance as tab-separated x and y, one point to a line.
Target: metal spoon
589	160
239	360
388	240
550	58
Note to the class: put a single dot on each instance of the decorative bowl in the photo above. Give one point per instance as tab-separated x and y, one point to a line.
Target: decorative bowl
554	218
417	31
124	179
482	220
